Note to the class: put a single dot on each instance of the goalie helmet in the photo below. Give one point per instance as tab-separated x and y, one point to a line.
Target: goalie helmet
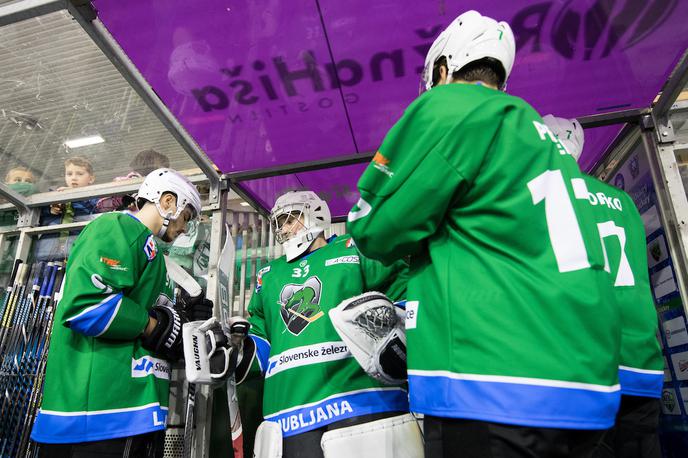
306	207
163	180
569	132
469	38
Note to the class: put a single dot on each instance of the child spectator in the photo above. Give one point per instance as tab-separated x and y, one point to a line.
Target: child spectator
21	180
78	173
51	247
143	163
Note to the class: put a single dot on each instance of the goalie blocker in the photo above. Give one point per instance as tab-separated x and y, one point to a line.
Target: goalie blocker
211	355
373	329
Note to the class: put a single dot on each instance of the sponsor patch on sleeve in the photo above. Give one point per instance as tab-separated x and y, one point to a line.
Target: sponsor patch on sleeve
150	248
259	277
114	264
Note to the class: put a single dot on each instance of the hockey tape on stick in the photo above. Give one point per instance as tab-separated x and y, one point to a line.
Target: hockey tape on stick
182	278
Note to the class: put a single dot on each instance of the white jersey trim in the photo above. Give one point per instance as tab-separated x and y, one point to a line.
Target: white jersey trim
100	412
640	371
518	380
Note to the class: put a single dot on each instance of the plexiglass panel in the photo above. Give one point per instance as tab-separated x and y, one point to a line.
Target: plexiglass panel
67	116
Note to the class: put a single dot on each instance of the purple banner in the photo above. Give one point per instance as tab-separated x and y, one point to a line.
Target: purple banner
266	83
337	186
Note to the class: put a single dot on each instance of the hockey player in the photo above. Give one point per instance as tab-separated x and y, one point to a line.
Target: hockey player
512	341
116	331
312	383
641	368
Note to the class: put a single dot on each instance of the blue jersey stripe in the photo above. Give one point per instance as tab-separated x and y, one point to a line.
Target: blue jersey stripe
513	403
96	319
641	384
306	418
262	351
55	428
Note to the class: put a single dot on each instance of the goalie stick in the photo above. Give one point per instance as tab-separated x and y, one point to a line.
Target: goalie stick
225	290
185	281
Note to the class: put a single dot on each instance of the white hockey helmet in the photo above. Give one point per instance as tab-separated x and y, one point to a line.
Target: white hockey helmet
569	132
164	180
310	209
469	38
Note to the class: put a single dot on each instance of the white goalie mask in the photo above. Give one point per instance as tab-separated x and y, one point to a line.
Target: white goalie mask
569	132
469	38
305	209
163	180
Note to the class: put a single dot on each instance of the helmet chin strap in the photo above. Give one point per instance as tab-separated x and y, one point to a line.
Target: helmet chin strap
166	218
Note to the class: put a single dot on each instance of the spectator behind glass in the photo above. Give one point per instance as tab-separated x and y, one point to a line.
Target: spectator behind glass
143	163
78	173
21	180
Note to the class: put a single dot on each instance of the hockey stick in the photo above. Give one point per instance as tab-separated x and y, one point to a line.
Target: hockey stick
22	370
304	317
226	292
16	355
185	281
52	298
30	366
9	315
182	278
8	290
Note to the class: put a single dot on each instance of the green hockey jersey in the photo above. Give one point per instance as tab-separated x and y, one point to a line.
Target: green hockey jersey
509	317
100	383
311	378
622	234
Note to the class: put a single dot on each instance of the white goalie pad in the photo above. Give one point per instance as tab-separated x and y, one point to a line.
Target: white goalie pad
208	357
373	329
268	443
397	437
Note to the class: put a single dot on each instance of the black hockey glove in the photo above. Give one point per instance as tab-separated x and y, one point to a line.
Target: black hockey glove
243	345
166	338
196	308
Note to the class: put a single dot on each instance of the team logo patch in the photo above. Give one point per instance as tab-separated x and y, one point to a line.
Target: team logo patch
300	305
259	277
350	243
150	248
354	259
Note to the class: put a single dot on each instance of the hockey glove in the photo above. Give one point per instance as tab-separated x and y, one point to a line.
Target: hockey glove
246	348
373	329
166	338
209	356
196	308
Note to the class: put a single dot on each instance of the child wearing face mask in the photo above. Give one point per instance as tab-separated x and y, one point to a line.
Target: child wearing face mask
21	180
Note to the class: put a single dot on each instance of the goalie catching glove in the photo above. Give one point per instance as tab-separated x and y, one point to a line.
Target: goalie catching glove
373	329
210	354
